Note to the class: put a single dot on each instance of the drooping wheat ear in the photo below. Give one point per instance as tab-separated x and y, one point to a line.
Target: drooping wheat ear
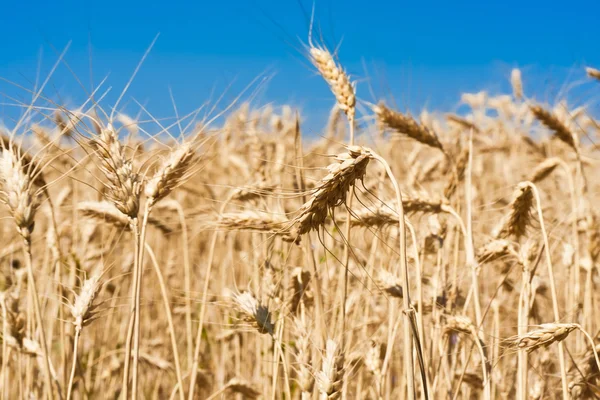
593	73
545	336
552	122
407	125
303	355
332	190
462	123
519	218
495	250
254	312
389	283
170	173
545	168
336	78
109	213
517	83
330	377
83	308
124	185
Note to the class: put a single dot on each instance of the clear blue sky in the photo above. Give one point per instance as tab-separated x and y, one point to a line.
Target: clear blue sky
424	53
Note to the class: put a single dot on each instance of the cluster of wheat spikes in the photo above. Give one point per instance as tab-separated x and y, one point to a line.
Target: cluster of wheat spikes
431	256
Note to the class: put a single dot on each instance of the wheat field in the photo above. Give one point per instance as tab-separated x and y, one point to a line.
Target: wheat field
391	256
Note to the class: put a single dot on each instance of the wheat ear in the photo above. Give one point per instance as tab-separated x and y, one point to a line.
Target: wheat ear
517	83
552	122
336	78
593	73
82	311
407	125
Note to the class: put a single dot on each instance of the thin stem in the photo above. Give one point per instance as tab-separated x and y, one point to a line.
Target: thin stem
165	297
561	350
408	339
38	317
346	259
138	294
130	328
74	363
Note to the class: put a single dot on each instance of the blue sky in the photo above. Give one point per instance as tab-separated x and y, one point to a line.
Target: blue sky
424	54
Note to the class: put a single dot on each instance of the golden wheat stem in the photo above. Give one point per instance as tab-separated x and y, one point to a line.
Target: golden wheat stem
420	323
74	363
131	327
346	257
38	316
561	351
523	323
141	238
172	334
408	339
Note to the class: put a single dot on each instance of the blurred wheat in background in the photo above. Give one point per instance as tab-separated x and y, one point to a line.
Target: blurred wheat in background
394	256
